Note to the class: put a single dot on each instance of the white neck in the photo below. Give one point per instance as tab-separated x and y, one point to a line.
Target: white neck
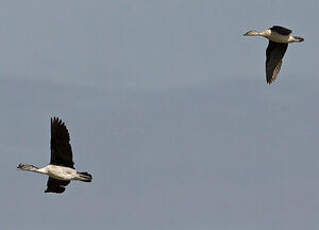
265	33
43	170
254	33
32	168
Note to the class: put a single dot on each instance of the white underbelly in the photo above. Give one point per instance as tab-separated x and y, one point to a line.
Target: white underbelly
61	173
275	37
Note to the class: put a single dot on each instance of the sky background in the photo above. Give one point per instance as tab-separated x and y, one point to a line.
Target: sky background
168	108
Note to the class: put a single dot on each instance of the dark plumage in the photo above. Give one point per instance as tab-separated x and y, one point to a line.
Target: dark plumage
279	37
281	30
56	186
274	54
61	168
61	151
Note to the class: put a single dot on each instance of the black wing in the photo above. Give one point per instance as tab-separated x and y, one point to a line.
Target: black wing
281	30
56	186
61	151
274	54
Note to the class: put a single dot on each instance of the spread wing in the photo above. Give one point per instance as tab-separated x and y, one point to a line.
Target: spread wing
274	54
56	186
281	30
61	151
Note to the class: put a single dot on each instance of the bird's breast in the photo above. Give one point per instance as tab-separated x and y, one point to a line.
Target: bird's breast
279	38
61	173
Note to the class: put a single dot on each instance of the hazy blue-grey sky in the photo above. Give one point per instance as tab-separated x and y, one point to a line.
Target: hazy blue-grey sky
168	109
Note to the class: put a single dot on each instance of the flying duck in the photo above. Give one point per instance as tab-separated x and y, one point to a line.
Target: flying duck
61	168
278	37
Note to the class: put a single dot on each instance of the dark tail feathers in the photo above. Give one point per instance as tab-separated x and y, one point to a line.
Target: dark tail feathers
300	39
85	176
